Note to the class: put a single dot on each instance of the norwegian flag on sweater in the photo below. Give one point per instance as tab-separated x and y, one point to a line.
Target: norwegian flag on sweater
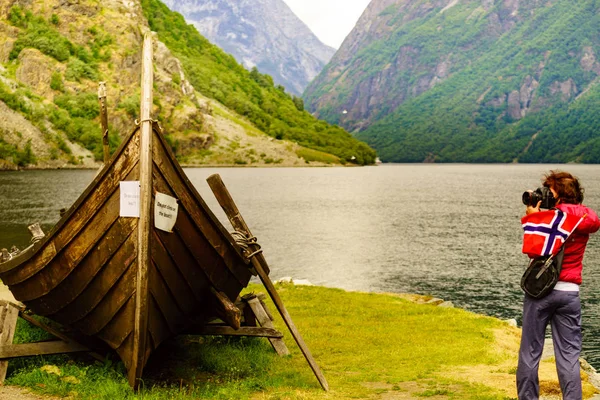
546	231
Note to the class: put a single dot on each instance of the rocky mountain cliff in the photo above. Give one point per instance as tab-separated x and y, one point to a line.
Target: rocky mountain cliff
260	33
54	53
469	80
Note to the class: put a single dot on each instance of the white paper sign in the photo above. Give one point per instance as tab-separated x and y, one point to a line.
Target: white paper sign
165	212
130	198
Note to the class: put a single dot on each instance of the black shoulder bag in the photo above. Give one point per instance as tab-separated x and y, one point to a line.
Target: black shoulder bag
541	275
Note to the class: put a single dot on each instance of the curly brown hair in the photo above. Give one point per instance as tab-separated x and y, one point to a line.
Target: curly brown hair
565	185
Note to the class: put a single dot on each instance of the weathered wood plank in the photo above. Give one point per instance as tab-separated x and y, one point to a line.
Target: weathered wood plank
8	323
76	219
186	264
104	280
116	298
104	120
206	257
242	331
119	327
226	309
125	350
158	326
41	348
192	189
265	321
164	302
79	279
61	266
59	334
179	288
145	222
218	240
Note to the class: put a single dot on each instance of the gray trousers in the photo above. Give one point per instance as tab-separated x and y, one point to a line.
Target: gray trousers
563	311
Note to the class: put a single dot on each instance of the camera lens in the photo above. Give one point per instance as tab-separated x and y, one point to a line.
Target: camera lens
526	198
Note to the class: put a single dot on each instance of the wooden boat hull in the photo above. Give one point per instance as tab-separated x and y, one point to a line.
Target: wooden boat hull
85	273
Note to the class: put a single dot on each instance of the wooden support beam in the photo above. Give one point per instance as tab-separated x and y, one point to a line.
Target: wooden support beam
8	322
242	331
263	318
226	310
104	120
40	348
60	335
260	264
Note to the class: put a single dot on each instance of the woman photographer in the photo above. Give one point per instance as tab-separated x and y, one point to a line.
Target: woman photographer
561	308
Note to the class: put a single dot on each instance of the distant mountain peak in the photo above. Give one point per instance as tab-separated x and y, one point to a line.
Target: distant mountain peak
260	33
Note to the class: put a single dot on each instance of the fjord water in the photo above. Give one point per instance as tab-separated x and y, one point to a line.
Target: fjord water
452	231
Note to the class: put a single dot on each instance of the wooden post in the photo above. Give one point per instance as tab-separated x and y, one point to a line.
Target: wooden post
36	231
104	120
226	310
8	322
260	264
140	331
262	315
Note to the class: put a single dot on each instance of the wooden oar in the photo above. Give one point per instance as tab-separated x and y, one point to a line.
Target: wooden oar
260	265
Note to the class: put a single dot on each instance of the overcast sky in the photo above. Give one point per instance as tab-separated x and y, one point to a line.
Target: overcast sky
330	20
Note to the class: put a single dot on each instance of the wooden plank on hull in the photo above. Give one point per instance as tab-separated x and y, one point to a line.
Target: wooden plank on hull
116	298
125	350
61	266
120	327
158	326
216	238
108	277
173	277
164	302
82	276
186	264
207	258
166	148
70	225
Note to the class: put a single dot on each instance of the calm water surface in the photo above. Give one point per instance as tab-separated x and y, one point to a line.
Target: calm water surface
452	231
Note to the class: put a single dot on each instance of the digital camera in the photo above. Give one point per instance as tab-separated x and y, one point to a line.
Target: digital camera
543	194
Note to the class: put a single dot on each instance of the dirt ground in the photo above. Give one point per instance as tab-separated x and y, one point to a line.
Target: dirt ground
17	393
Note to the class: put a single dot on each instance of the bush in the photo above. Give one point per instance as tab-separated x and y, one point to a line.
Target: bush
56	81
77	69
82	105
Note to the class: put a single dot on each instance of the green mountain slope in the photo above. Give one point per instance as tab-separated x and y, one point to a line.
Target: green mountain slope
251	94
53	55
469	81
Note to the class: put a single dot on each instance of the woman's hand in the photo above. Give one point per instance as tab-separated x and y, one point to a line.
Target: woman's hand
531	209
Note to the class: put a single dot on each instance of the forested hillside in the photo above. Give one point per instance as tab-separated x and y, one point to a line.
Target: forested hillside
260	33
53	54
251	94
469	81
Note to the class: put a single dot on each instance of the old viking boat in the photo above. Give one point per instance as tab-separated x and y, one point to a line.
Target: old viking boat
120	279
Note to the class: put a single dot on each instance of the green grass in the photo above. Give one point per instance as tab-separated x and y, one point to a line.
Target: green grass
315	155
357	339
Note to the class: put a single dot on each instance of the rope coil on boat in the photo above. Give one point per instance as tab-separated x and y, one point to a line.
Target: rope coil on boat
242	240
139	122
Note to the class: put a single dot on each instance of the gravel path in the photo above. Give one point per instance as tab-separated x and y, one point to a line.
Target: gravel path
17	393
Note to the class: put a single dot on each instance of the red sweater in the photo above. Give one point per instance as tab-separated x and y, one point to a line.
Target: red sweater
575	246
